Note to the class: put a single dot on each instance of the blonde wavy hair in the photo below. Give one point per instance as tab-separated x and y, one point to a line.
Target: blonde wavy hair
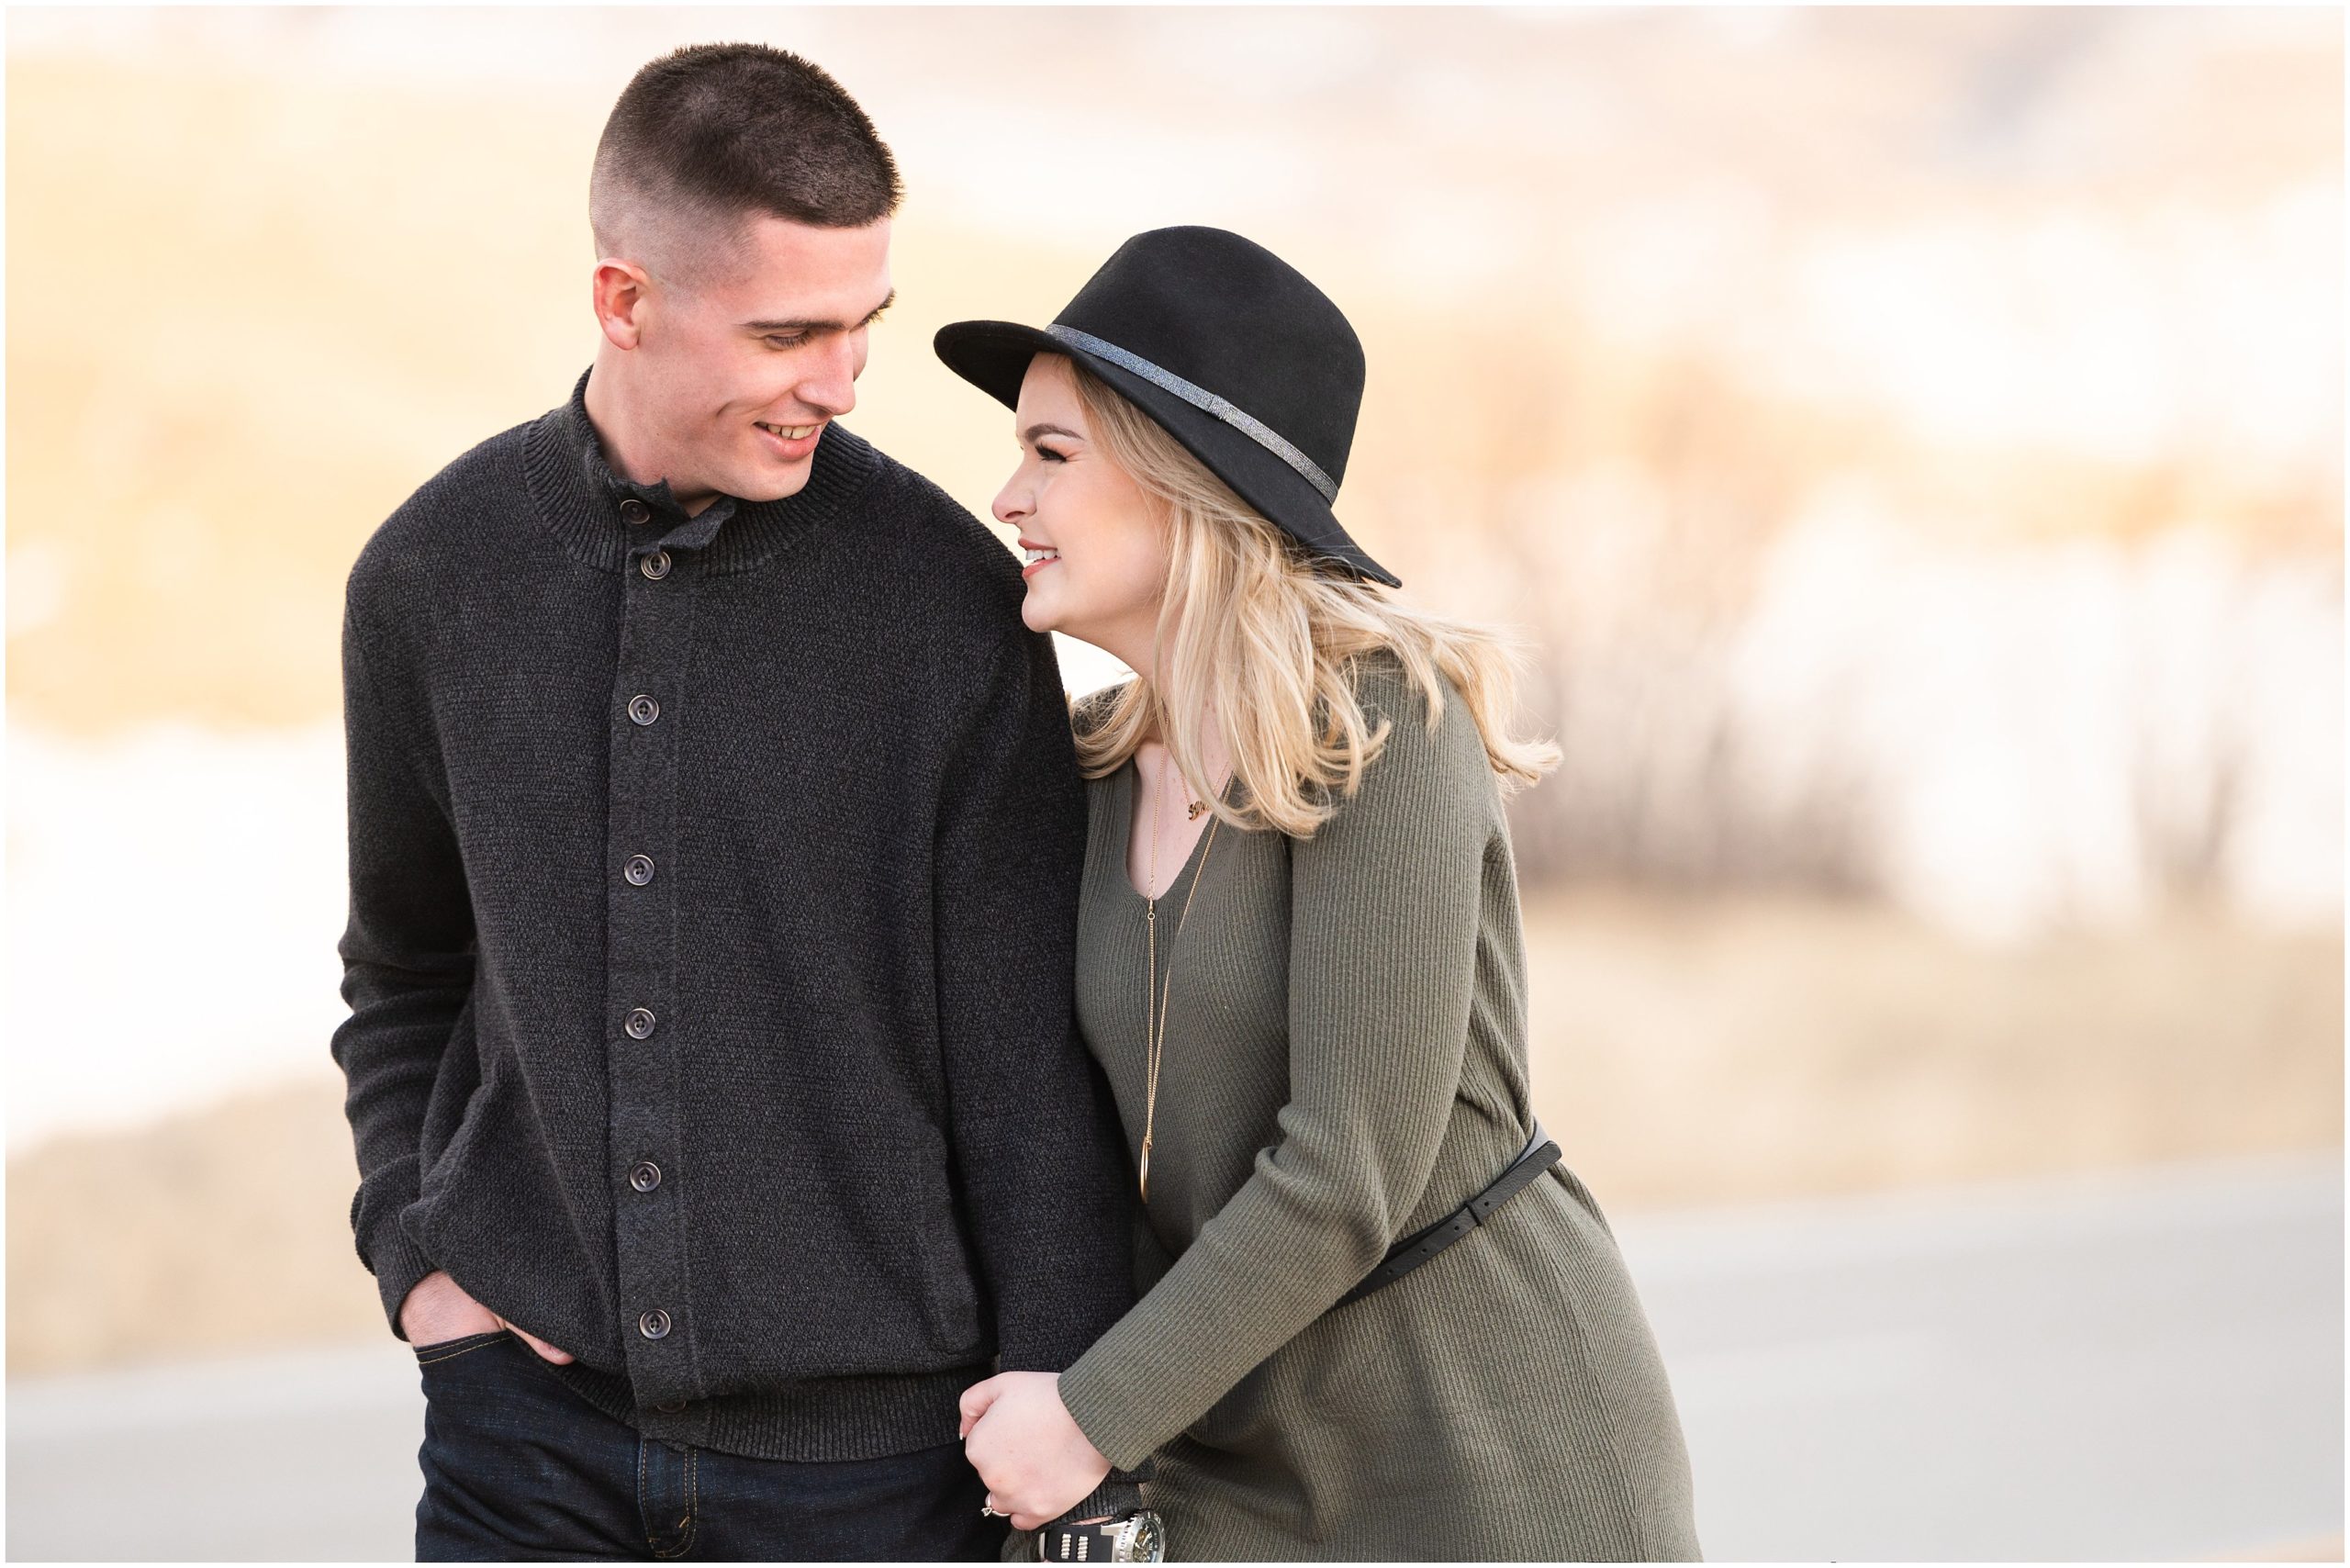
1251	629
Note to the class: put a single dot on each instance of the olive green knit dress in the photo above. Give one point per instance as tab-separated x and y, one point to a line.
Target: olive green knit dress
1343	1062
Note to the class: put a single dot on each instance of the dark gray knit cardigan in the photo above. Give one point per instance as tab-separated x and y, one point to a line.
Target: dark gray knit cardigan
712	894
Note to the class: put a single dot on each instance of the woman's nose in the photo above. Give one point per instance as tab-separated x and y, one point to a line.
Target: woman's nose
1010	502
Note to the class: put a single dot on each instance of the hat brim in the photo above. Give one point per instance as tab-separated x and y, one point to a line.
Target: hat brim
994	355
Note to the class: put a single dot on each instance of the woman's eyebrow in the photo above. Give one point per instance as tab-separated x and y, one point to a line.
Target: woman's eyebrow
1033	432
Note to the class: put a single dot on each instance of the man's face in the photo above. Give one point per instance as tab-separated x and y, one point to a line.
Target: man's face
742	369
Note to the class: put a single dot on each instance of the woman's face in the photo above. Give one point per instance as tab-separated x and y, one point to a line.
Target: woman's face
1109	568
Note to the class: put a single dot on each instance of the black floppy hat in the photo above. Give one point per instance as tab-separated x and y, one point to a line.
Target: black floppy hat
1229	349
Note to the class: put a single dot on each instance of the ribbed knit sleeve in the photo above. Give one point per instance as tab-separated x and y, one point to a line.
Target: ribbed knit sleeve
407	950
1383	923
1035	1136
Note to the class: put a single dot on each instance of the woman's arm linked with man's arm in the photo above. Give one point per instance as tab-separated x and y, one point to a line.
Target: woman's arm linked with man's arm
1384	922
1033	1134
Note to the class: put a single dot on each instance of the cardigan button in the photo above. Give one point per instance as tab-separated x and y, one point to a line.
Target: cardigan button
634	511
639	869
645	1177
638	1024
642	708
655	566
653	1324
670	1406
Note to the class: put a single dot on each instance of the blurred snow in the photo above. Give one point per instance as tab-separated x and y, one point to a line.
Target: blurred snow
2059	733
174	897
2043	736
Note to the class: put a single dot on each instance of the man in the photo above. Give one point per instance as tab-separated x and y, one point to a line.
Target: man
715	837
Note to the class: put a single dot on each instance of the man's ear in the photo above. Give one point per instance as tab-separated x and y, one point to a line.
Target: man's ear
621	290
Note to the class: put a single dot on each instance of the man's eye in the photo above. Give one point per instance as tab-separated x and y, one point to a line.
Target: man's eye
782	343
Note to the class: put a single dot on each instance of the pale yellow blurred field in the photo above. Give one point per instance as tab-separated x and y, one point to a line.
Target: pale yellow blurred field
250	311
252	303
223	383
1684	1053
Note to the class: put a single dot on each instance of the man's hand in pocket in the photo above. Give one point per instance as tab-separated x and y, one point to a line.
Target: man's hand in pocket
438	1308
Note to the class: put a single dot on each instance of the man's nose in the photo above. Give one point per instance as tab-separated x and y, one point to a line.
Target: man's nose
830	385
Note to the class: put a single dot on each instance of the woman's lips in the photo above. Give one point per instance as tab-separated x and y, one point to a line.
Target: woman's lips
1032	567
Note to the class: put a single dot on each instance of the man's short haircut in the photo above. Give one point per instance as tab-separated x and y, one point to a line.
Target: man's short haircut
714	134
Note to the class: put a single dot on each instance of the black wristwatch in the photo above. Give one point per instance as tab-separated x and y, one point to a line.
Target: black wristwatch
1134	1537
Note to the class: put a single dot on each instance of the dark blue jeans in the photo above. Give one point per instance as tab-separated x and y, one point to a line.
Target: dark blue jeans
518	1467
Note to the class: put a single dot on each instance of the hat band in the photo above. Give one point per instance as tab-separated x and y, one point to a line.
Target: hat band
1247	424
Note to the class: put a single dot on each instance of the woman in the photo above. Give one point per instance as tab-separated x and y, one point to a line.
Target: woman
1300	966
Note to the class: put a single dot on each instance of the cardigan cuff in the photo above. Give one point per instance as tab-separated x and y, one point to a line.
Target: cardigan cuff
397	1263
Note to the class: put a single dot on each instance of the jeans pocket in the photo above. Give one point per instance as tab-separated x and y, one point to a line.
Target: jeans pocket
465	1344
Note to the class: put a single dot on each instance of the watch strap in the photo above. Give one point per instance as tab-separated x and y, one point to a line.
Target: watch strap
1081	1543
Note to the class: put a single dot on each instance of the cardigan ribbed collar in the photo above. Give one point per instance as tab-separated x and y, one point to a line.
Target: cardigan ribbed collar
578	496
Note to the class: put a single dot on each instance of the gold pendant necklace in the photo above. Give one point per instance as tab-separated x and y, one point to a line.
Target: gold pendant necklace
1155	1037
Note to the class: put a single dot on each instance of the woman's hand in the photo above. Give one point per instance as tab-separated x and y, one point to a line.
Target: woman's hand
1018	1435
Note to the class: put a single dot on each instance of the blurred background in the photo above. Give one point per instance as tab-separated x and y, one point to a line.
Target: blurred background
1910	442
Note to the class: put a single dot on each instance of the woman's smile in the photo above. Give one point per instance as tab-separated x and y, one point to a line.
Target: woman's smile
1038	556
1034	558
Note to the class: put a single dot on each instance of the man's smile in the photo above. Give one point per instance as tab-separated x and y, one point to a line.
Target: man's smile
789	443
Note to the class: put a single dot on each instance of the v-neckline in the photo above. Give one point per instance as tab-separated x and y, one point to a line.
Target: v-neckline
1132	772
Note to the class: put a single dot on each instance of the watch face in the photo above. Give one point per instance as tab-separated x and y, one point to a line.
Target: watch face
1148	1543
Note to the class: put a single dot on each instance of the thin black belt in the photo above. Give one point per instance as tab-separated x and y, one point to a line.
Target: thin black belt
1417	1249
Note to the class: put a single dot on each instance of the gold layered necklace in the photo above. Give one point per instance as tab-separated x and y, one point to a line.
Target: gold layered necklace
1155	1035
